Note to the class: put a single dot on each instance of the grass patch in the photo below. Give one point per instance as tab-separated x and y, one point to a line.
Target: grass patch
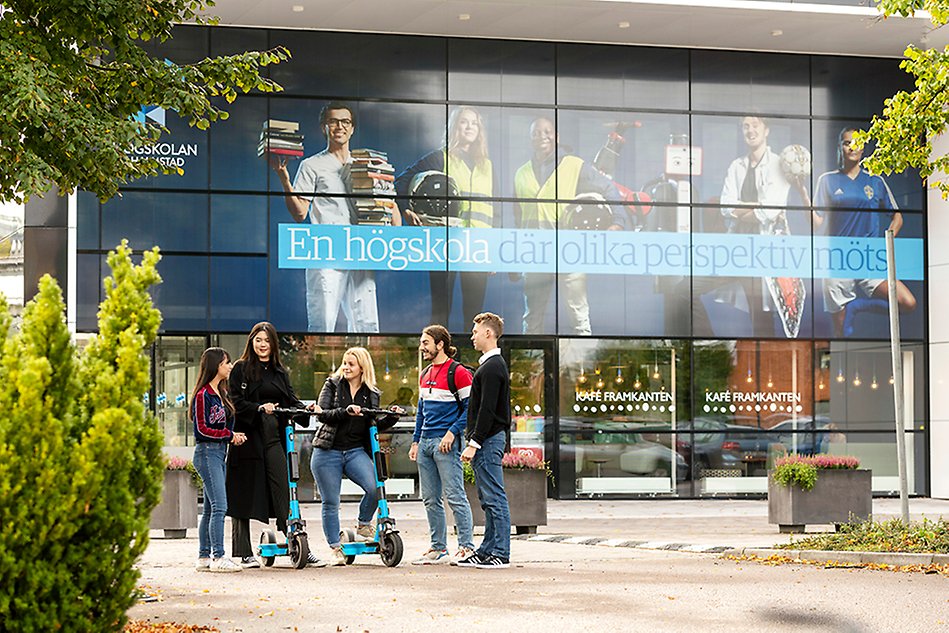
926	537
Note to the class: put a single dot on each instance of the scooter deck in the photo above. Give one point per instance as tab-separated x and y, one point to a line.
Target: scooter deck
269	550
355	549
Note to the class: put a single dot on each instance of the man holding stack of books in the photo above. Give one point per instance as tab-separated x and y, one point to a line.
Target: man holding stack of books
309	199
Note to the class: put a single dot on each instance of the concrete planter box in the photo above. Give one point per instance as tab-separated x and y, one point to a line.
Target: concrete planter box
526	495
839	496
178	509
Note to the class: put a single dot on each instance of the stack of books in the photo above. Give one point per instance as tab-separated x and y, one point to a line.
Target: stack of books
373	181
281	138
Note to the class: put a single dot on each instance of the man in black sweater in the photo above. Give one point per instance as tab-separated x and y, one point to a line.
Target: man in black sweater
489	425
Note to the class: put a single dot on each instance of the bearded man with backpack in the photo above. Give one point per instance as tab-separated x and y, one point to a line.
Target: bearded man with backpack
444	387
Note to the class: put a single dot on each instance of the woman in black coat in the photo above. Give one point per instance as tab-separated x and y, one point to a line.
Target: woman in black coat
257	485
342	444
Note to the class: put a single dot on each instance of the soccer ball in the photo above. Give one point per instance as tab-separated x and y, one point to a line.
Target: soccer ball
795	162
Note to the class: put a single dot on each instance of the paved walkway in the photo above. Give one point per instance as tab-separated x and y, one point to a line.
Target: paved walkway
597	565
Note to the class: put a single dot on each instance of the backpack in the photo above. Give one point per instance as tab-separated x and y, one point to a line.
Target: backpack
453	366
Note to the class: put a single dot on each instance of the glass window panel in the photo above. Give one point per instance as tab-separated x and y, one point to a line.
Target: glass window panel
238	292
239	224
183	147
621	406
906	187
183	294
87	221
622	76
854	388
188	45
88	290
233	41
768	83
629	147
171	221
750	284
360	66
235	164
855	86
510	72
727	142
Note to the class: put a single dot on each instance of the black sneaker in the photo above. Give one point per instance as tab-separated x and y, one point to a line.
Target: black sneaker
472	561
250	562
313	561
493	562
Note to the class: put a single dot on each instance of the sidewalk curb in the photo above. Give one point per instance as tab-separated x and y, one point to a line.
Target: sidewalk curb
621	542
900	559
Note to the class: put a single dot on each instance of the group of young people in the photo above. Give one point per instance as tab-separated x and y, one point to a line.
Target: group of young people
240	449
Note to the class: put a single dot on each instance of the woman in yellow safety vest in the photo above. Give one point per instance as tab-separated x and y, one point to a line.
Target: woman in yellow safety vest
464	158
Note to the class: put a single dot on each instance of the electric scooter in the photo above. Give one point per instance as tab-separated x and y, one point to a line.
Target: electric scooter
387	543
296	546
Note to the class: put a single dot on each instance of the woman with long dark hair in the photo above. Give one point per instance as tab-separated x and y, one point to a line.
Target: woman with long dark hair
212	415
257	486
342	444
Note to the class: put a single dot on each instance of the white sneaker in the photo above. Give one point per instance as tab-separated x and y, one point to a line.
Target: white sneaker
202	564
461	554
224	565
366	532
337	558
432	557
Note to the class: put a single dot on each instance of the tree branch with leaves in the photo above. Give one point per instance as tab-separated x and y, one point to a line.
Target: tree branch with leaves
911	119
74	75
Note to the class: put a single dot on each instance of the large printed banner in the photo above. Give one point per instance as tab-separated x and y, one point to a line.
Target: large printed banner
348	247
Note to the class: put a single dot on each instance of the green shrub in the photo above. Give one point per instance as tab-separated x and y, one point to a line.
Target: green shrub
930	537
80	457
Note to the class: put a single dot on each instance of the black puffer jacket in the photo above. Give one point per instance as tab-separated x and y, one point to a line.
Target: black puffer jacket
334	398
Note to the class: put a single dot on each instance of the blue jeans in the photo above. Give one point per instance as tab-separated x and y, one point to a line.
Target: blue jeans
489	478
328	467
209	460
438	471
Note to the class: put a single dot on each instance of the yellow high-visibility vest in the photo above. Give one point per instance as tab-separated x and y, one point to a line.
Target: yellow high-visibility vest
561	185
472	184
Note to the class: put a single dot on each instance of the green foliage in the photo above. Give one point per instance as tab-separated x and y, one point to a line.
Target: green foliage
73	75
796	473
910	119
80	458
884	536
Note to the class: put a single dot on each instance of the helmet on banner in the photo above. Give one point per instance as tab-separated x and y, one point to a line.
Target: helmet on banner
434	193
589	212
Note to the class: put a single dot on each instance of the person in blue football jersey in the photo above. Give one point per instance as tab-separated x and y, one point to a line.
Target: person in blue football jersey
860	204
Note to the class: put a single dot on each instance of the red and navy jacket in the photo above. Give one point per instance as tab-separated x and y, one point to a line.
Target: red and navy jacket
438	411
212	421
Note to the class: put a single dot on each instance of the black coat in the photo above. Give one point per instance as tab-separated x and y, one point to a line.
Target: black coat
334	398
246	481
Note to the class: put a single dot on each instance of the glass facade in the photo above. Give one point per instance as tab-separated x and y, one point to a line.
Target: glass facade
689	275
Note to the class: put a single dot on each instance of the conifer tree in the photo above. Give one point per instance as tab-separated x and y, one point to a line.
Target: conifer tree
80	457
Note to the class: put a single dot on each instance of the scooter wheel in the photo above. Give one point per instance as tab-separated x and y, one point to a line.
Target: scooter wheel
348	536
267	537
390	549
299	550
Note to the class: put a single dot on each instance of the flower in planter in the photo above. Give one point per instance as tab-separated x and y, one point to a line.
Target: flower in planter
513	461
801	470
179	463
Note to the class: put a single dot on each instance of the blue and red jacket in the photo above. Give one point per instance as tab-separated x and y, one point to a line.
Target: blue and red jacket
212	421
438	411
